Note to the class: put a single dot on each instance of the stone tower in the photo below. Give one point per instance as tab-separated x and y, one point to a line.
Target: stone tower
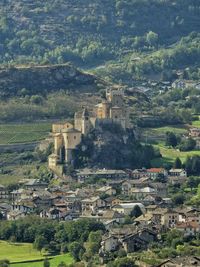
85	122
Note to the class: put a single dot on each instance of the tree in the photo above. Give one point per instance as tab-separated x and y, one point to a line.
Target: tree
187	144
74	249
136	212
177	163
171	139
46	263
4	263
152	38
178	199
193	182
40	243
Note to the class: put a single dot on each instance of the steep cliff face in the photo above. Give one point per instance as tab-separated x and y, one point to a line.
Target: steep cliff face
44	79
113	148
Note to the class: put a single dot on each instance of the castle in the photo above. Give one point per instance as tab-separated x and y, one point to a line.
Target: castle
68	136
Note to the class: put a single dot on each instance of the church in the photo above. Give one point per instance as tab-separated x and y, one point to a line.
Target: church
67	136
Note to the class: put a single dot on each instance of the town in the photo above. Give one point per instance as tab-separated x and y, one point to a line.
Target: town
133	205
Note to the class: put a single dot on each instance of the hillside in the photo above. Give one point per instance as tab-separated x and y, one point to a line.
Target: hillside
89	32
43	79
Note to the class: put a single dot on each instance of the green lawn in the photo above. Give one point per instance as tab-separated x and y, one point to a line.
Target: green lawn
23	133
150	135
169	155
196	123
19	252
53	262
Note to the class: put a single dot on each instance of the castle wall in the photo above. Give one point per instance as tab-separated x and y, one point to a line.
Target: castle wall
69	156
116	113
78	124
58	127
58	143
72	139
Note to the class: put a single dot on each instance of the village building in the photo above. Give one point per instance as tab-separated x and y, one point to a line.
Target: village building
155	173
3	193
126	208
84	174
177	176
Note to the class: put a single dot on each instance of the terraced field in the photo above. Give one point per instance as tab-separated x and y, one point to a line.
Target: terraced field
23	133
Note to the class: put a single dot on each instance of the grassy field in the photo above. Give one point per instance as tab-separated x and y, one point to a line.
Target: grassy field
169	155
17	253
156	136
196	123
54	262
23	133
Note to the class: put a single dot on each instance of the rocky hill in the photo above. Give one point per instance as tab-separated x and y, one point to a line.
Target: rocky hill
96	149
44	79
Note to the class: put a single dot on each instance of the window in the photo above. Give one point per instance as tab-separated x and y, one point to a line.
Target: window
74	137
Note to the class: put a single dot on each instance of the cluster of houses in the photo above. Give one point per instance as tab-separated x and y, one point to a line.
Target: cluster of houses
133	205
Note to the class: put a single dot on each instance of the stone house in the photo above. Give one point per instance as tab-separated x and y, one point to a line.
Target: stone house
141	193
109	244
109	215
92	204
170	218
155	173
126	208
138	241
3	193
35	184
139	173
111	201
177	176
189	228
106	190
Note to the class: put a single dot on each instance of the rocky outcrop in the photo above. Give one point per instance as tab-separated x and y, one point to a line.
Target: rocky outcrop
44	79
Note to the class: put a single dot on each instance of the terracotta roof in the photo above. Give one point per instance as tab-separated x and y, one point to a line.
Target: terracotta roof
193	225
157	170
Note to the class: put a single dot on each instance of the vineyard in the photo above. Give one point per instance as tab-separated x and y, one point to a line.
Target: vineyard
23	133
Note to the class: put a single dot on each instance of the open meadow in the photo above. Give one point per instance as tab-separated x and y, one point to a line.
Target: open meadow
18	253
156	137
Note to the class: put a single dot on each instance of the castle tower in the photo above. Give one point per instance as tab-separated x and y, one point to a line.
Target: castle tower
72	138
85	122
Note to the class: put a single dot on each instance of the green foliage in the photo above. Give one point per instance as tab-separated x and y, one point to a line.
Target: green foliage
76	249
178	199
89	33
178	163
136	212
4	263
40	242
124	262
187	144
46	263
192	165
171	139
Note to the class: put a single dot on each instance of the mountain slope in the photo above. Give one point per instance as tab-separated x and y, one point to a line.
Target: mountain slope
84	31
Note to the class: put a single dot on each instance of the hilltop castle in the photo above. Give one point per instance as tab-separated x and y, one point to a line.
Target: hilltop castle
68	136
